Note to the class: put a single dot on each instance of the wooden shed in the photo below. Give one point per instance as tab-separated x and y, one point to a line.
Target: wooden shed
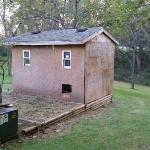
72	64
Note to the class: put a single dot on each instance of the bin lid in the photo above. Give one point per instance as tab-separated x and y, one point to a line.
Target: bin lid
6	110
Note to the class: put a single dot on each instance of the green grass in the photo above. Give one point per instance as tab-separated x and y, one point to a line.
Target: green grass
7	78
7	82
3	57
126	126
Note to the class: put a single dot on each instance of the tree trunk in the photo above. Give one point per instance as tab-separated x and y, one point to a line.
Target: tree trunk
138	60
9	60
76	3
132	69
6	36
0	94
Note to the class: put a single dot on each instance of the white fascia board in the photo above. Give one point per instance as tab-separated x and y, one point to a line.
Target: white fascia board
92	36
111	37
45	43
98	33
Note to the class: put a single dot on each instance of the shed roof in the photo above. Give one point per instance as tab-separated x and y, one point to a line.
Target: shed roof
59	37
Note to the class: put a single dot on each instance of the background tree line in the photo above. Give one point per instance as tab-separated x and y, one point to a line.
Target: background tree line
128	21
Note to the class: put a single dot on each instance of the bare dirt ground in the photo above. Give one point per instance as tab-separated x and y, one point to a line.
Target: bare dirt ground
35	110
40	109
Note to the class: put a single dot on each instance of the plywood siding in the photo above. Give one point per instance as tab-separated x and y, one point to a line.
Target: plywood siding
99	68
45	76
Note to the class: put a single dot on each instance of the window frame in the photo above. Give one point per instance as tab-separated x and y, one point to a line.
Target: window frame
26	57
63	64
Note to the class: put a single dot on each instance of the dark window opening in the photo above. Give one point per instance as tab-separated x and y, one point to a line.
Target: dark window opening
66	88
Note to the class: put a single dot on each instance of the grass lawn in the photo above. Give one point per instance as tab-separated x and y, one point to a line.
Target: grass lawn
7	81
7	78
126	126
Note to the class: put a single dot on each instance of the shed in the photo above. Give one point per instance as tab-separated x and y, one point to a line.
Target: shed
71	64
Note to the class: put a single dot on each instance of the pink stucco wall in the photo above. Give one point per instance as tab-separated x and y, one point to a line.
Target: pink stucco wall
45	76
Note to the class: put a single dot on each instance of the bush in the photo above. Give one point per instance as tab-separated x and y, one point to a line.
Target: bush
144	78
121	67
3	51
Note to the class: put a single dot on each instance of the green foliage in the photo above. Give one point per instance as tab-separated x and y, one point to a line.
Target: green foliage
7	81
123	61
144	78
123	127
146	74
3	51
122	66
126	22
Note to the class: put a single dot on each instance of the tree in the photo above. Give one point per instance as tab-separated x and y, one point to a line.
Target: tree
126	23
2	70
6	8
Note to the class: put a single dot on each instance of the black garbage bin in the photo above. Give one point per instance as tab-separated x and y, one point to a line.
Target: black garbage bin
8	124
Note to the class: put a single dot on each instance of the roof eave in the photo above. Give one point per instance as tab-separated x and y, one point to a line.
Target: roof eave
111	37
100	32
46	43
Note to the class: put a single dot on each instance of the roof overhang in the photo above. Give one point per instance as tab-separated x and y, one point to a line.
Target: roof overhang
45	43
98	33
68	42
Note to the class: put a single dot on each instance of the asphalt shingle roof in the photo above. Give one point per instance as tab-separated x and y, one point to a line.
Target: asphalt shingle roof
55	35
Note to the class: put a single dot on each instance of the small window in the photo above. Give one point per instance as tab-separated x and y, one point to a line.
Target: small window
66	59
66	88
26	58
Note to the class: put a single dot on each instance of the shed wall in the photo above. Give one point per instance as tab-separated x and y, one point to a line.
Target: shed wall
99	68
45	76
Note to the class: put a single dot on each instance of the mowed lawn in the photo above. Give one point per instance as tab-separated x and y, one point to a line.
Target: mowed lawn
126	126
7	83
